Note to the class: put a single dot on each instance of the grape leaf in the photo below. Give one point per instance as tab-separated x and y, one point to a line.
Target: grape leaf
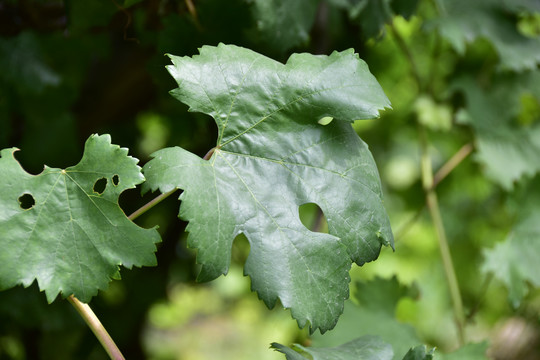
463	21
373	15
507	149
419	353
515	260
65	228
272	156
471	351
283	24
375	314
365	348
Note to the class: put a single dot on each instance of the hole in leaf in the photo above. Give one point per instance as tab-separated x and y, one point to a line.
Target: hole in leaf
26	201
100	185
312	216
240	249
115	180
325	120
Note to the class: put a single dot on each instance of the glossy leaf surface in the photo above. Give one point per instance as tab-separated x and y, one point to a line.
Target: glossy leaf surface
65	227
272	156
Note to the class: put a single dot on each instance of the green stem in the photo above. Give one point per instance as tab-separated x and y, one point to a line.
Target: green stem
400	41
97	328
433	207
163	196
150	204
451	164
439	176
481	296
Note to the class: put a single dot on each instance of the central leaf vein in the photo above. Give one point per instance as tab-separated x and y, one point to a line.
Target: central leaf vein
281	162
238	91
281	108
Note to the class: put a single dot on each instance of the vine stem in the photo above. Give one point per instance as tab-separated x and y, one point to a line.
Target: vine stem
150	204
163	196
97	328
451	164
400	41
429	184
439	176
86	312
433	207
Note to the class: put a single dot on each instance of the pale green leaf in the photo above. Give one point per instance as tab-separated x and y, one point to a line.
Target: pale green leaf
515	260
464	21
375	314
65	227
272	156
507	149
364	348
472	351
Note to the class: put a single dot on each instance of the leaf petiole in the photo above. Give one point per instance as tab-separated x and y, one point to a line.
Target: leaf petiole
433	207
150	205
163	196
97	328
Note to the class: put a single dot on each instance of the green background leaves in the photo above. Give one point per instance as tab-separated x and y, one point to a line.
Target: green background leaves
73	69
66	231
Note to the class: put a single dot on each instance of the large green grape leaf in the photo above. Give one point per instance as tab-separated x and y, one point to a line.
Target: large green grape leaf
272	156
463	21
65	227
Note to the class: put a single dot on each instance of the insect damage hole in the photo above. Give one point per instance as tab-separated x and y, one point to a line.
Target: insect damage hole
115	180
26	201
100	185
312	216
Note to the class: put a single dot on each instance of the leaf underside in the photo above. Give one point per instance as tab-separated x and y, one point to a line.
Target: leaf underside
65	227
366	347
272	156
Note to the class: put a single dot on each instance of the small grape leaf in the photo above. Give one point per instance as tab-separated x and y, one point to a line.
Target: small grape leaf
365	348
375	314
419	352
65	228
507	149
515	260
272	156
464	21
283	24
373	15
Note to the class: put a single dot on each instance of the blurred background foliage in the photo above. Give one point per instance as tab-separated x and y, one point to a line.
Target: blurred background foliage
464	72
